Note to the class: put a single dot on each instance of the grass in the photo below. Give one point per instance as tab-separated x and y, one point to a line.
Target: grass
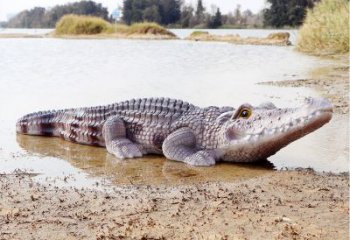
326	29
198	33
77	25
148	28
88	25
279	35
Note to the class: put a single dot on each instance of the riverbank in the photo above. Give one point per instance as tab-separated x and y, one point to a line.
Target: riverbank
273	39
21	35
88	27
99	36
281	205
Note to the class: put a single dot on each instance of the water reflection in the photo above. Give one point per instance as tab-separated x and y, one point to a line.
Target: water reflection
147	170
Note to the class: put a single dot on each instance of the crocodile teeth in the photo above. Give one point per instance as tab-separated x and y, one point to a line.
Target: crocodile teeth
272	131
265	131
246	138
255	137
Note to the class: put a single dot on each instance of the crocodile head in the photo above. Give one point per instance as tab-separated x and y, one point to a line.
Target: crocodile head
254	133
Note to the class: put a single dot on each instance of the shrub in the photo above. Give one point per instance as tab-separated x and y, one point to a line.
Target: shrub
199	33
279	36
88	25
75	25
148	28
326	28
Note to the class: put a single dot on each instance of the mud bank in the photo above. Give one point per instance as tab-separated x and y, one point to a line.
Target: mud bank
21	35
118	36
273	39
96	36
282	205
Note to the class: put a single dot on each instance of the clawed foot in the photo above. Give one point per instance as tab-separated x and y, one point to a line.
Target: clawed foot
201	158
125	149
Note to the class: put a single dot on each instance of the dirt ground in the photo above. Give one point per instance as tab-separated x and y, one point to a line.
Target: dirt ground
281	205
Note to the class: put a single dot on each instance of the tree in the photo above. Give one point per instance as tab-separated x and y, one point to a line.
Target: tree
238	15
127	11
286	12
186	19
28	18
151	14
161	11
41	18
170	11
216	20
200	10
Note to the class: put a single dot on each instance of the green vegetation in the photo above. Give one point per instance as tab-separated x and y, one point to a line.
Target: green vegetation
172	13
47	18
326	28
198	33
75	25
216	20
283	13
178	13
148	28
164	12
279	35
278	39
87	25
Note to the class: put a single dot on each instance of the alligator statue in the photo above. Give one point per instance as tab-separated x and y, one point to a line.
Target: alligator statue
182	131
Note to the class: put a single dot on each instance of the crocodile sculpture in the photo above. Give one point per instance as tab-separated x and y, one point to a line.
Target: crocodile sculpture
180	130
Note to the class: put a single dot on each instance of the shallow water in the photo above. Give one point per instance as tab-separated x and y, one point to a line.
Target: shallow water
41	74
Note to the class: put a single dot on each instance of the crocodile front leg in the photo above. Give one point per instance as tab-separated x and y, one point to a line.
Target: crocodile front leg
181	146
114	133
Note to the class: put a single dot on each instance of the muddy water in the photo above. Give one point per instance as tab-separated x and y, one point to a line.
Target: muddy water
40	74
150	169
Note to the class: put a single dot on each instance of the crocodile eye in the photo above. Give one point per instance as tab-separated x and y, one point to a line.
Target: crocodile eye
245	113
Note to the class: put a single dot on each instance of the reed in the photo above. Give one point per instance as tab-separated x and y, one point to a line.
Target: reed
88	25
148	28
77	25
326	29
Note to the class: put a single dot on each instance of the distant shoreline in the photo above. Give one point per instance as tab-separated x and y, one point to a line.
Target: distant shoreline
236	39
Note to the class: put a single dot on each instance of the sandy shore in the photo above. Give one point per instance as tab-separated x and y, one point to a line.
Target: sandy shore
282	205
273	39
21	35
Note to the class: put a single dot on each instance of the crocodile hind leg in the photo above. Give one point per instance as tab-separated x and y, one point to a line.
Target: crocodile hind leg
181	146
114	133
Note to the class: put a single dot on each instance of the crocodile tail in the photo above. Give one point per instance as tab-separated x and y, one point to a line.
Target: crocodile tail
39	123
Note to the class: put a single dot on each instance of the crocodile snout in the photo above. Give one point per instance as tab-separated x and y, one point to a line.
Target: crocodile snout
319	104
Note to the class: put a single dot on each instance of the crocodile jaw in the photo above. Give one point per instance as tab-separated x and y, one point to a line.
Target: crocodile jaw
261	145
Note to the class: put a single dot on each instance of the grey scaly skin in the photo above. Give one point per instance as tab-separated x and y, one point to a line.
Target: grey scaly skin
180	130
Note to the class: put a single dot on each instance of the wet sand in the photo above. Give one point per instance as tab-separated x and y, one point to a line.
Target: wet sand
282	205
